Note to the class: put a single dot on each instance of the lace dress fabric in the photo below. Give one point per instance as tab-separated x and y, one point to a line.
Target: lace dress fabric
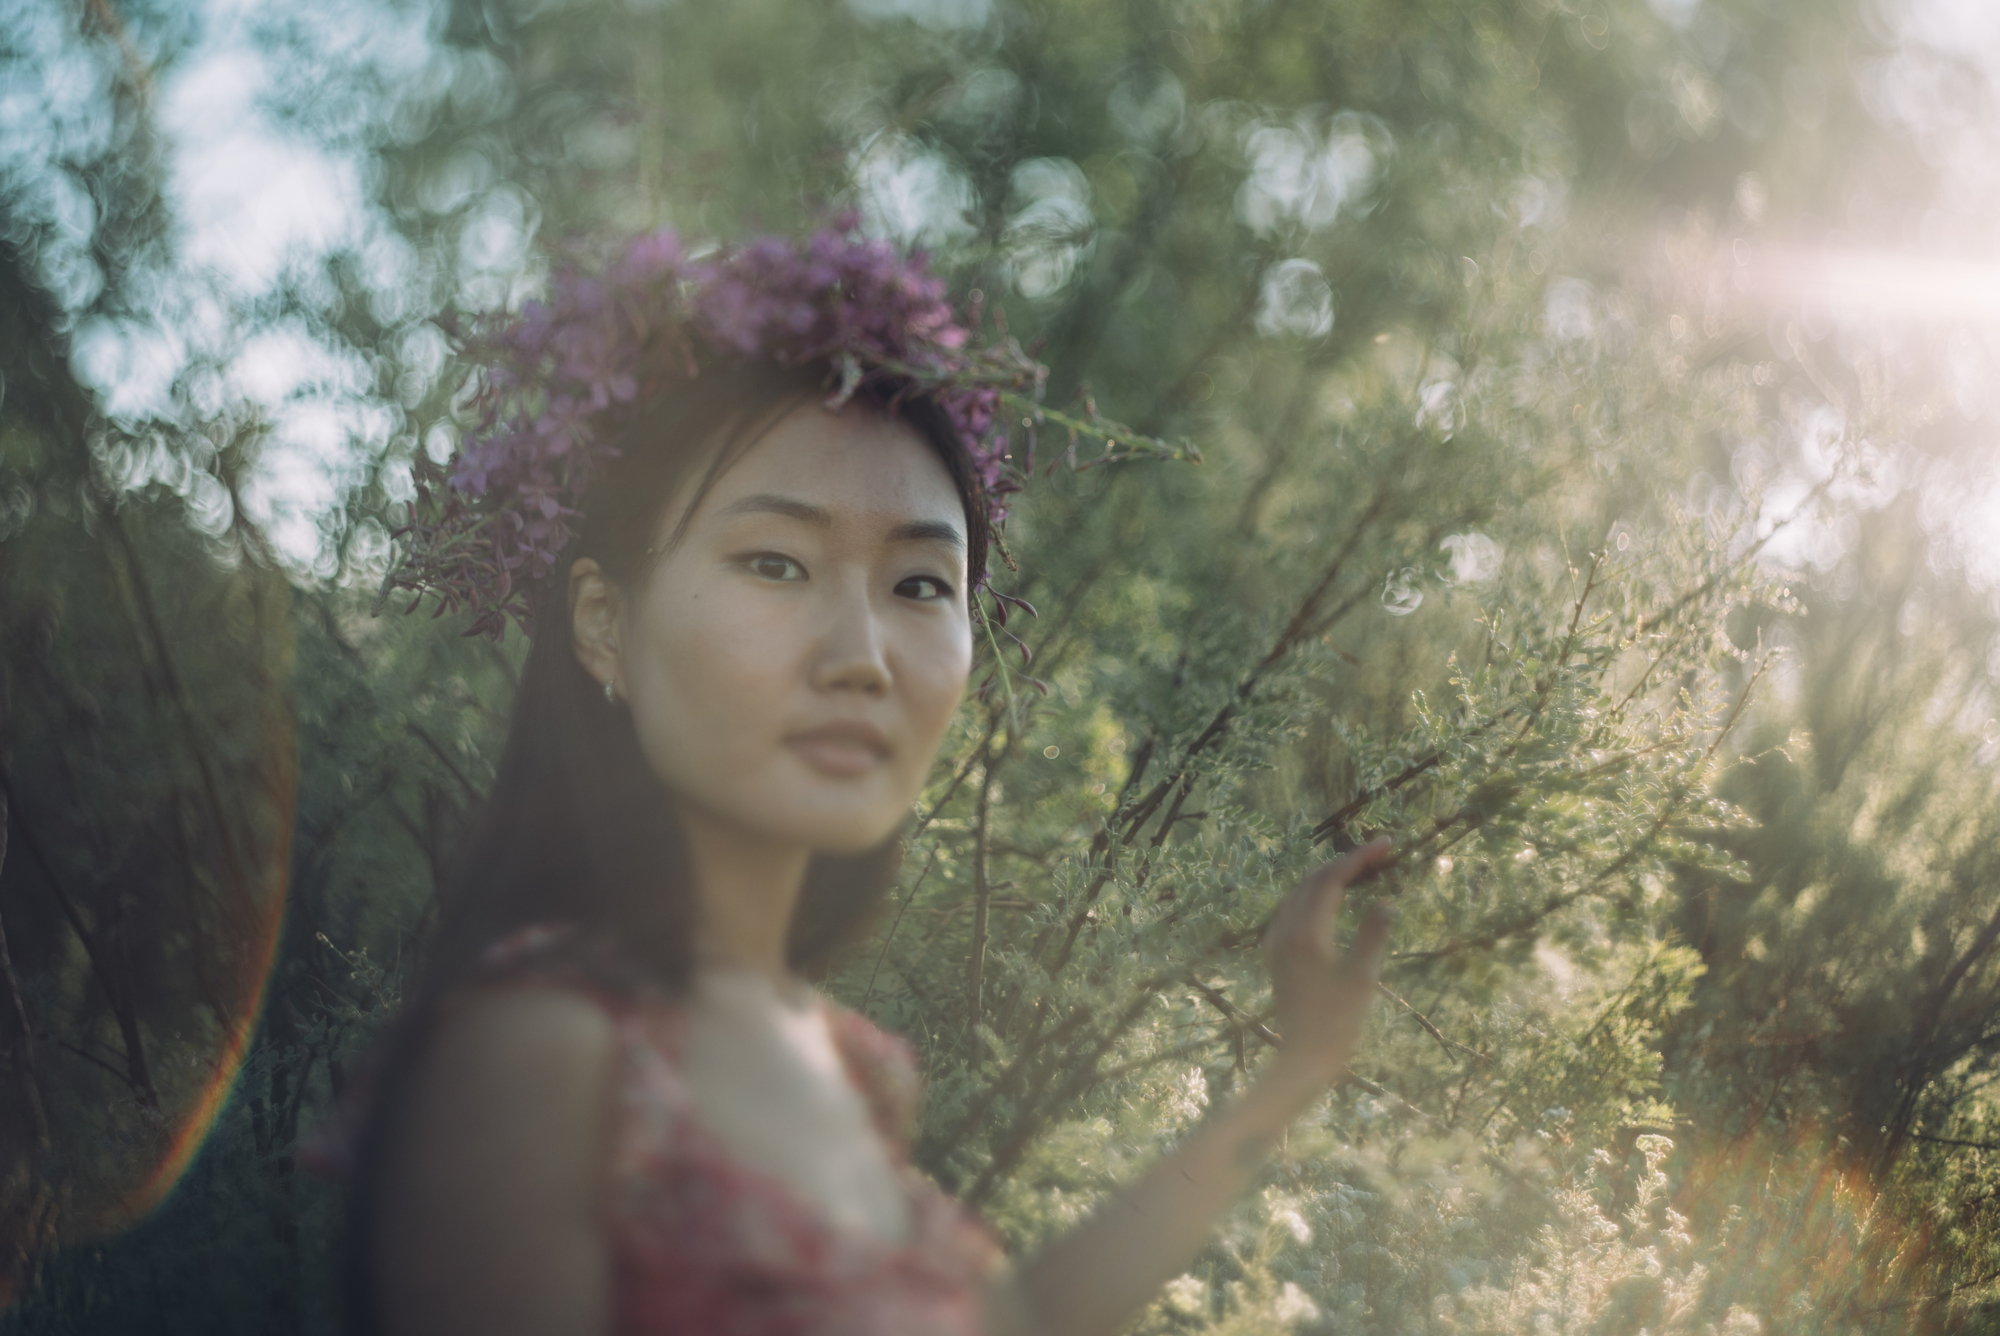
703	1243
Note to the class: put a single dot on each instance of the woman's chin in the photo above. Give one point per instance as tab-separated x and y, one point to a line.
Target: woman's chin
843	814
853	836
836	823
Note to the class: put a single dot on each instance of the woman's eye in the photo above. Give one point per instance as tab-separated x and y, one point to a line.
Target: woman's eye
771	566
926	588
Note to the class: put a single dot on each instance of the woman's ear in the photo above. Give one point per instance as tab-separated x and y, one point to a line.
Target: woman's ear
593	621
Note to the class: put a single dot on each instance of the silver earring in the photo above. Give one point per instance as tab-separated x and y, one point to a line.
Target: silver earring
611	692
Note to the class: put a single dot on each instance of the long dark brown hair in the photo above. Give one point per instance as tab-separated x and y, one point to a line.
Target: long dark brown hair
577	829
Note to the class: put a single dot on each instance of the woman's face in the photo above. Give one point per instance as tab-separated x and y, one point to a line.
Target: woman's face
791	665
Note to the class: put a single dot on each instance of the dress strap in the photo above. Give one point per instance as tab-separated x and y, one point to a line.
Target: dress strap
883	1068
565	955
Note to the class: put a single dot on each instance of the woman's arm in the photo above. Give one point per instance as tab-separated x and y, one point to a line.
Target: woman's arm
488	1220
1092	1280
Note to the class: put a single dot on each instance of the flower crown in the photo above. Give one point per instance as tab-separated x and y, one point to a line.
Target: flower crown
489	528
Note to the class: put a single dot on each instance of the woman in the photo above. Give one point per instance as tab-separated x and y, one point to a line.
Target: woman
753	494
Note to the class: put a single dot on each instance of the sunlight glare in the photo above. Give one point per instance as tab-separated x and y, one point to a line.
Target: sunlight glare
1881	283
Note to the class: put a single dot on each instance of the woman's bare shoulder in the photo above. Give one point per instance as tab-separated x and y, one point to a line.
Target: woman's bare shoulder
490	1213
519	1073
514	1032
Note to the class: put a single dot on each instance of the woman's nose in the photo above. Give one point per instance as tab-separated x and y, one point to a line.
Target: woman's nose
852	655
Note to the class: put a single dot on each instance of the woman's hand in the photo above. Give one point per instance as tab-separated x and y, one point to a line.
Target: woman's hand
1094	1279
1323	993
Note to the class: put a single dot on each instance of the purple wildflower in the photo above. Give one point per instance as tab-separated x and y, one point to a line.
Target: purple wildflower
557	375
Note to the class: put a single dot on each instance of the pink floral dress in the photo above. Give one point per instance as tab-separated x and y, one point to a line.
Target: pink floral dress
702	1243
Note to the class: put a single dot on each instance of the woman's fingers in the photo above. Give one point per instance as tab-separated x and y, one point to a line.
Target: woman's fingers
1353	865
1368	857
1304	922
1330	892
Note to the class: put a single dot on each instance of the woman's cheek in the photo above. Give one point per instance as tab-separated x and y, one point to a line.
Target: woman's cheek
695	692
945	686
742	662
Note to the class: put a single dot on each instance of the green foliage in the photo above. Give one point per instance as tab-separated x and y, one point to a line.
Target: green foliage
1519	536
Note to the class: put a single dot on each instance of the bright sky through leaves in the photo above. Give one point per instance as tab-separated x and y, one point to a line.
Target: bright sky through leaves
265	186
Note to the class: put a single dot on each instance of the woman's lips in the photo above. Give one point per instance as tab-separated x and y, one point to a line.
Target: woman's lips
846	749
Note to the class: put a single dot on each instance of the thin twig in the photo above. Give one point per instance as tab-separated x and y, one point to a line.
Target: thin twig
1238	1018
890	936
982	893
471	789
1425	1021
88	1056
1954	1141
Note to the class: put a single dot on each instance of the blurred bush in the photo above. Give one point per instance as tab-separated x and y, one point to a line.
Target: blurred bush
1640	597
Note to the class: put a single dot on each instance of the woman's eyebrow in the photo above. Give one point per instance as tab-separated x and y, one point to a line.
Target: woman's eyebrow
769	503
766	503
928	531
